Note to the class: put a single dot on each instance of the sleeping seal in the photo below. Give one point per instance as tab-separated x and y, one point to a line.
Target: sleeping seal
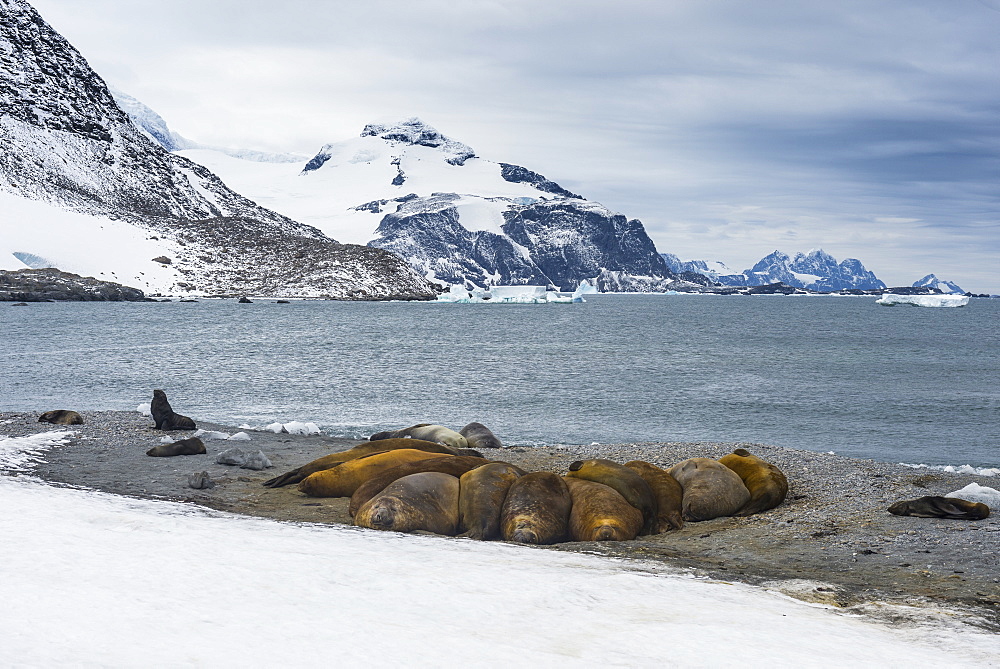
61	417
600	513
455	466
165	417
766	483
932	506
344	479
361	450
426	501
428	432
626	481
536	510
191	446
481	495
668	493
711	489
480	436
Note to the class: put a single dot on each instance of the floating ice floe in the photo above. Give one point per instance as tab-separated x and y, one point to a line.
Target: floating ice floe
978	493
891	300
459	294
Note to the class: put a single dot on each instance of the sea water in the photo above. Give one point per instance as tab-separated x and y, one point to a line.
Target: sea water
838	374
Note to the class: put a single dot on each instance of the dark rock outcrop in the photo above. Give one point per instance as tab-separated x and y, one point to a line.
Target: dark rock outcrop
47	285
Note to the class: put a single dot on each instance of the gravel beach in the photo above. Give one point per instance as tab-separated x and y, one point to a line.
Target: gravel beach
832	541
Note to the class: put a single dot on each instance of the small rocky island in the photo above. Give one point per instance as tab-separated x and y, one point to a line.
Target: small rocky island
50	284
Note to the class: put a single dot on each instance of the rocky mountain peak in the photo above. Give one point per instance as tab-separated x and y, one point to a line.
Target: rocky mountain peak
415	132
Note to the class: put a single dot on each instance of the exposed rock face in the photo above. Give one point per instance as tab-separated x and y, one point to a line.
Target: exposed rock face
42	285
518	174
64	140
816	270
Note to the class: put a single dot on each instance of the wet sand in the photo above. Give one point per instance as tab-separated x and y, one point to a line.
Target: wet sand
831	542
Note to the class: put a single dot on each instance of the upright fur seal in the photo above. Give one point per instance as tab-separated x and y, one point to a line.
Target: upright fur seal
61	417
536	510
190	446
426	431
455	466
165	417
600	513
344	479
480	436
766	483
361	450
932	506
668	492
426	501
627	482
481	495
711	489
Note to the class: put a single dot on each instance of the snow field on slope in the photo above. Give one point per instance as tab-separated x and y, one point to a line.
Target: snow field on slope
96	579
94	246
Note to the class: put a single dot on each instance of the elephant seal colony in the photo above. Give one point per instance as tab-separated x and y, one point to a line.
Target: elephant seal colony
832	529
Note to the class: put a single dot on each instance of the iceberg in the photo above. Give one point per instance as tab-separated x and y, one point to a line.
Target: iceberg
891	300
459	294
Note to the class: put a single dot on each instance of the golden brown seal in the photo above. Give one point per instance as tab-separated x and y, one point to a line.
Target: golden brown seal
426	501
427	432
190	446
61	417
626	481
932	506
164	417
345	478
766	483
481	496
455	466
668	493
711	489
361	450
600	513
536	510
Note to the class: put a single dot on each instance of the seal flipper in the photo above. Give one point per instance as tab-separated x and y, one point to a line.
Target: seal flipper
287	478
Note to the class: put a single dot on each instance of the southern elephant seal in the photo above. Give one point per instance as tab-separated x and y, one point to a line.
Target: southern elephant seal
667	491
536	510
61	417
190	446
361	450
482	492
626	481
600	513
428	432
164	417
480	436
347	477
711	489
455	466
766	483
426	501
932	506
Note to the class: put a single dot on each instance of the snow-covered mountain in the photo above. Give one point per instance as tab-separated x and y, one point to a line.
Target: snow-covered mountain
931	281
454	216
83	189
711	269
816	270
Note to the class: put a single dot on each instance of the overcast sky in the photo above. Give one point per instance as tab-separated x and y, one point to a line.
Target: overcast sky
731	128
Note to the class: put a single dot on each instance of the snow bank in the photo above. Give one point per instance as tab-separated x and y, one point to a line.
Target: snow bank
162	584
978	493
891	300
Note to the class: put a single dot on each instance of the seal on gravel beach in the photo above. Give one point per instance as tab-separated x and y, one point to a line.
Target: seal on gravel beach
600	513
190	446
480	436
61	417
480	499
536	510
766	483
164	416
361	450
711	489
426	501
428	432
668	493
933	506
344	479
626	481
455	466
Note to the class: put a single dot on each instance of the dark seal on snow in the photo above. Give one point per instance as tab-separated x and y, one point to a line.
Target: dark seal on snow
164	416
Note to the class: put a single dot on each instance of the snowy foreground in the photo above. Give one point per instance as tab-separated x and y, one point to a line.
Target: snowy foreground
95	579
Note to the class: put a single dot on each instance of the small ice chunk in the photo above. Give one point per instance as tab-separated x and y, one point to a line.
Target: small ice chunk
978	493
145	409
246	426
167	440
240	436
297	427
277	428
206	435
256	461
234	457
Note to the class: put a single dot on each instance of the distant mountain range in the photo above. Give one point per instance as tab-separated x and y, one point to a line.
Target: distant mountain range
931	281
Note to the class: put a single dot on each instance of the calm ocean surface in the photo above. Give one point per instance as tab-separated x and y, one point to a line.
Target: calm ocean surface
901	384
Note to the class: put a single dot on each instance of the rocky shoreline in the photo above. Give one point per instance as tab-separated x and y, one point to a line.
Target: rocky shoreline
832	541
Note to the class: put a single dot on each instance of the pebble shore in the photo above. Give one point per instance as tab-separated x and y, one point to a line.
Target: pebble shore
832	542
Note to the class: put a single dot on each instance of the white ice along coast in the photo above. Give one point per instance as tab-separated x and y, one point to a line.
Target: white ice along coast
891	300
459	294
